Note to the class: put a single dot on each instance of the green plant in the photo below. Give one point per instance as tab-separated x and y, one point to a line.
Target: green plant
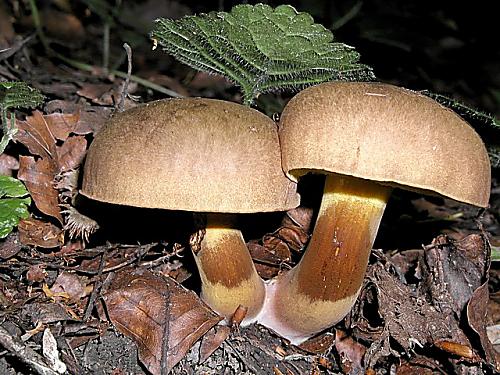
261	49
13	204
15	95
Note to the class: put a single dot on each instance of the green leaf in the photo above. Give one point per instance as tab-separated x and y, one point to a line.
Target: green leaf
13	204
260	49
495	254
478	119
468	113
15	95
19	95
11	187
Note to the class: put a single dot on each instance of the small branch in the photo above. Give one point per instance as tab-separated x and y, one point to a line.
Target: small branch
124	93
351	13
24	353
97	288
105	47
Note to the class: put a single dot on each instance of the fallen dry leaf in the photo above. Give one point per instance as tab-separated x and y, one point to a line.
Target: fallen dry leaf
435	211
10	246
300	217
44	313
38	176
35	232
268	259
351	353
162	317
71	153
71	284
428	313
212	340
90	118
273	251
277	250
292	236
389	311
35	134
166	81
61	125
319	344
99	93
418	366
203	80
39	133
452	271
36	273
477	309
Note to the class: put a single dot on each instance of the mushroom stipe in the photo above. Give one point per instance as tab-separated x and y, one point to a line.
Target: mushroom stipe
322	288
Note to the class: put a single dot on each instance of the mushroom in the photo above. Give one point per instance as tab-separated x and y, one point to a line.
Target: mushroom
211	157
367	138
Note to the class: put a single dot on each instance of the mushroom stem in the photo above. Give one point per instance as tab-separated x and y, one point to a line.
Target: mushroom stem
227	272
323	287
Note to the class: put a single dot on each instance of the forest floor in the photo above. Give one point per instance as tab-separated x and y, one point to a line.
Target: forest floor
430	302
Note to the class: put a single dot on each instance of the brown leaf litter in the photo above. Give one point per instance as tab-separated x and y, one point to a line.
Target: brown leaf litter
163	318
405	318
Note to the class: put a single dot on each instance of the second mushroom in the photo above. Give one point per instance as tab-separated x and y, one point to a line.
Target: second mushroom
367	138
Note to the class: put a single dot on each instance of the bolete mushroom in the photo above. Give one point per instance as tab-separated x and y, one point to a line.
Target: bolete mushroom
367	138
207	156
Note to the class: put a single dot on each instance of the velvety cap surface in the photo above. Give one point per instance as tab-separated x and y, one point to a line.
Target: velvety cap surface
189	154
384	133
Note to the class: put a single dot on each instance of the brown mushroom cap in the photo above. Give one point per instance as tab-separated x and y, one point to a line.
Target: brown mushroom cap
190	154
387	134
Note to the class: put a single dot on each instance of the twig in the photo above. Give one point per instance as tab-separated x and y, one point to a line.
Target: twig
24	353
105	46
18	44
242	358
142	250
351	13
124	93
97	288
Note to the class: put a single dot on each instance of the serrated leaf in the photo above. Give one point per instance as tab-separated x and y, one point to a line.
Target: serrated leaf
15	95
261	49
477	119
12	204
468	113
19	94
